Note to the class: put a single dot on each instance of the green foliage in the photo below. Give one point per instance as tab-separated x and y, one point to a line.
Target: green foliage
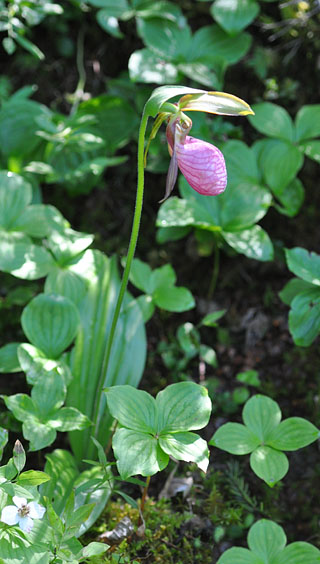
151	430
17	16
177	353
265	436
303	295
160	290
229	218
60	147
267	544
42	414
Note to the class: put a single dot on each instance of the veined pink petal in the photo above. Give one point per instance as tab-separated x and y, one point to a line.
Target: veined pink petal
203	166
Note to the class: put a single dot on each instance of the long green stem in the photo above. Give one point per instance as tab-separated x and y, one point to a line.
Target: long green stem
126	273
82	72
215	271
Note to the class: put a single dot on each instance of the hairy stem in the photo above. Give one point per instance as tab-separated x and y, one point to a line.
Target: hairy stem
215	271
126	273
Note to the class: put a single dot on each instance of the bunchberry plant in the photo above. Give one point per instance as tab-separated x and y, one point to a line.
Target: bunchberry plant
265	436
150	430
268	545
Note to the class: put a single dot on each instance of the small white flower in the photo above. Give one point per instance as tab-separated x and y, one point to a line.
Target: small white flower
22	513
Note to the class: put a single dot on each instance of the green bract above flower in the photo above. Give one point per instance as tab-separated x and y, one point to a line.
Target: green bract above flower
220	103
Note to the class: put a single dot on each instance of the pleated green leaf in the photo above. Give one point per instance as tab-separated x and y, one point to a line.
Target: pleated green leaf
35	364
134	409
50	322
186	446
25	260
15	196
183	407
87	356
138	453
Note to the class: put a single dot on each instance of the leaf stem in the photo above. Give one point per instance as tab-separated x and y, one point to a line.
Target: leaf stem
126	273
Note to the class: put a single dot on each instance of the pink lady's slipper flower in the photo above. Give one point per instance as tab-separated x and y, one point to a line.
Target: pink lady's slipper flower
201	163
22	513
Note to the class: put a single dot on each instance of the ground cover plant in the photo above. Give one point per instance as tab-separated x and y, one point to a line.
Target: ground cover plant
159	364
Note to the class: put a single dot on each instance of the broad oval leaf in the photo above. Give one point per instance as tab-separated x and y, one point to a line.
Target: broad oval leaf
183	407
304	264
15	196
238	555
266	539
66	283
241	162
261	414
243	204
304	317
235	438
186	446
307	123
9	361
280	161
292	434
254	242
50	322
137	453
33	221
35	364
173	298
213	46
170	41
272	120
134	409
311	149
268	464
146	66
234	15
25	260
299	553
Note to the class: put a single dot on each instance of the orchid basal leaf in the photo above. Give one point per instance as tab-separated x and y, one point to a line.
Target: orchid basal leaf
215	103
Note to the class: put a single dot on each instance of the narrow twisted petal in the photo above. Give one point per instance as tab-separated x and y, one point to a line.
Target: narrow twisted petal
203	166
